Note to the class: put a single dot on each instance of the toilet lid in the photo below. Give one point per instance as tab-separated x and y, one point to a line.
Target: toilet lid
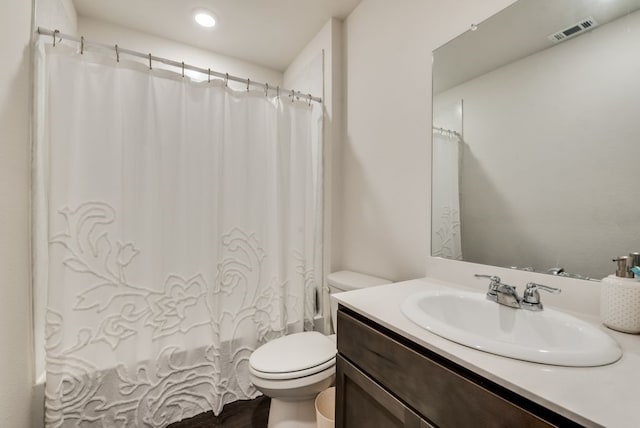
293	353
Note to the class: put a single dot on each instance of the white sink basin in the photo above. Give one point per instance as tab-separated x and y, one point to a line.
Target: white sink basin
548	337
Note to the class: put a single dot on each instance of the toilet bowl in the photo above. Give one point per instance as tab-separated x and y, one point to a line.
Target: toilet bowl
293	369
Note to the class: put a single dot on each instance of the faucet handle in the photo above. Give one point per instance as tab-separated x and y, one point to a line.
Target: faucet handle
493	278
492	293
531	296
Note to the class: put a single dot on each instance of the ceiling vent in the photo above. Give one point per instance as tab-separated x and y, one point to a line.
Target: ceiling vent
574	30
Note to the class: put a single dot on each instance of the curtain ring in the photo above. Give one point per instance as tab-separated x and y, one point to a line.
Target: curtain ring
117	54
248	84
81	45
54	37
183	69
266	89
208	75
150	68
226	79
309	99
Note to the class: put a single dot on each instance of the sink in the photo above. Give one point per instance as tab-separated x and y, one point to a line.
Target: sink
548	337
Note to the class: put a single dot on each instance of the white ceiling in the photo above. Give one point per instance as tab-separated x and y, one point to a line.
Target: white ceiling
269	33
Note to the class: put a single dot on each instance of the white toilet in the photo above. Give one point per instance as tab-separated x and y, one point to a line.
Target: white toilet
293	369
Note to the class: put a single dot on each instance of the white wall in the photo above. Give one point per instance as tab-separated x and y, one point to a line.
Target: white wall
15	304
57	15
103	32
386	149
326	46
302	74
551	149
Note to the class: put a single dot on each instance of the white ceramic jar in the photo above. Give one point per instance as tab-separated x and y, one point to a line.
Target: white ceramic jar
620	304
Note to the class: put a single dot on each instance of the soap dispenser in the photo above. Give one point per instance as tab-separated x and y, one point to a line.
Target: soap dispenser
620	297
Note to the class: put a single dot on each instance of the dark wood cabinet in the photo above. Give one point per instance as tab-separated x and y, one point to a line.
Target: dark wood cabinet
384	380
369	404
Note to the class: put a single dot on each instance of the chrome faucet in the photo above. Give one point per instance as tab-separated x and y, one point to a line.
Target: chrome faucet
531	296
492	293
556	271
500	292
507	295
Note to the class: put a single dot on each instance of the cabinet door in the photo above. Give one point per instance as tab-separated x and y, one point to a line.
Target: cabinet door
364	403
440	393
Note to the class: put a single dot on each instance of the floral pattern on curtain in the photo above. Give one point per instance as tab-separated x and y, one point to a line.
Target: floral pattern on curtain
446	240
177	229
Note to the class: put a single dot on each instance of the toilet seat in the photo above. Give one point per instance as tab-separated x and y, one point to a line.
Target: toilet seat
294	356
294	374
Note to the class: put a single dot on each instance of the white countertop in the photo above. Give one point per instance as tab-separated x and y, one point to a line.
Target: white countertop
607	395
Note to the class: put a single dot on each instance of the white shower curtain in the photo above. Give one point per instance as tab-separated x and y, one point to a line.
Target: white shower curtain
177	228
445	225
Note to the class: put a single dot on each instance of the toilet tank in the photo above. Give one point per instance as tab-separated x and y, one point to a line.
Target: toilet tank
345	280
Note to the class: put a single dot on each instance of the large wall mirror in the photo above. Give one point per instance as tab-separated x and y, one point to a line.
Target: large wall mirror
536	139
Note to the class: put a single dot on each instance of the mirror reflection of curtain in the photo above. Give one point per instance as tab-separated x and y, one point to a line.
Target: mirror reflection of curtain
176	230
446	240
445	233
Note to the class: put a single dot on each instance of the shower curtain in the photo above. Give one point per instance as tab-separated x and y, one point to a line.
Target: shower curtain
445	225
177	228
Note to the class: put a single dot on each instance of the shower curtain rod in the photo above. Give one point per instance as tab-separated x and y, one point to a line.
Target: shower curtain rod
206	71
448	132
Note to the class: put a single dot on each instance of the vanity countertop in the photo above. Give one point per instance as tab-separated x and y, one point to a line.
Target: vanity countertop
606	395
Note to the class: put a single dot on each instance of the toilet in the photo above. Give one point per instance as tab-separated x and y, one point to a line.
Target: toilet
293	369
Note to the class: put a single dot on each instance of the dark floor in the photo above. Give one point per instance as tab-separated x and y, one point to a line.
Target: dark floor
241	414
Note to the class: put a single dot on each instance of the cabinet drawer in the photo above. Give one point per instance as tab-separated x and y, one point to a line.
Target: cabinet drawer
366	404
445	397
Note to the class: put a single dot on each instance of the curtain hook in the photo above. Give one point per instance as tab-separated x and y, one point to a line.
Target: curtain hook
117	54
150	68
81	45
293	95
278	92
54	37
226	79
309	99
183	69
266	89
248	84
208	75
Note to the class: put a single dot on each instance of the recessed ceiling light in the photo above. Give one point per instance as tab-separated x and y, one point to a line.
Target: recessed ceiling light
206	19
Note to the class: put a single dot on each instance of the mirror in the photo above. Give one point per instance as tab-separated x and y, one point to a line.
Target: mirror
536	140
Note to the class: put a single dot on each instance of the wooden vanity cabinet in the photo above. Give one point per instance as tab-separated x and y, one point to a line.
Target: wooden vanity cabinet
367	404
384	380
